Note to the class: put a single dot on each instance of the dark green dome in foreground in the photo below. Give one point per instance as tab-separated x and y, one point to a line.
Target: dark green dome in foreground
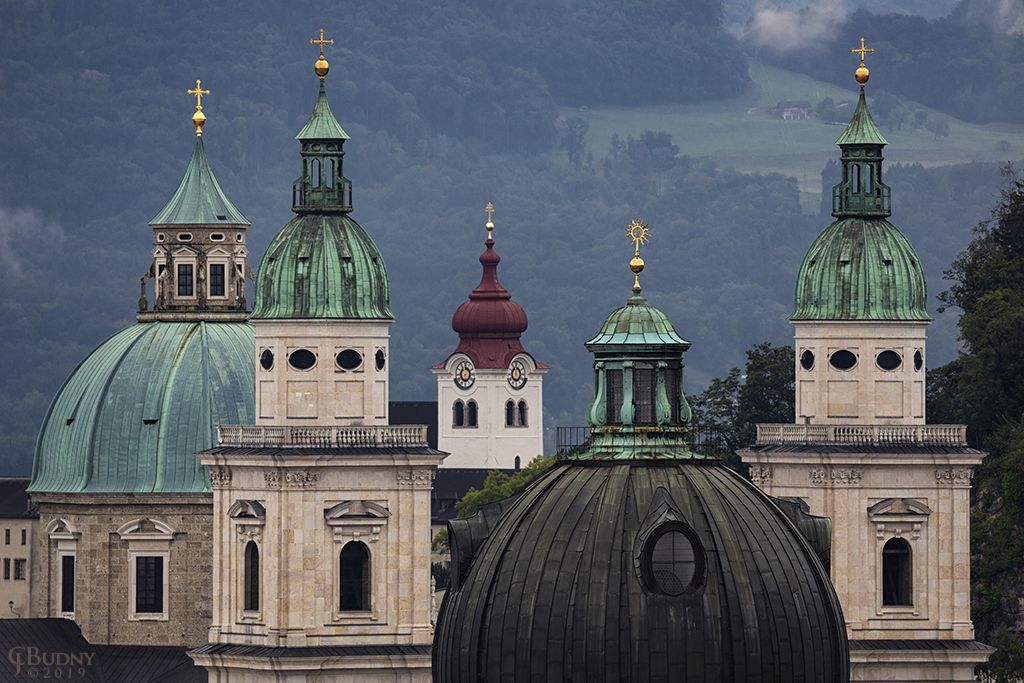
322	266
637	559
134	413
635	571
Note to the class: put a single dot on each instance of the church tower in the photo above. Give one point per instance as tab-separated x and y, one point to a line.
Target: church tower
321	511
490	390
896	489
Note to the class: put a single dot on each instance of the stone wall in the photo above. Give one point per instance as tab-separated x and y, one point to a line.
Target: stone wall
88	525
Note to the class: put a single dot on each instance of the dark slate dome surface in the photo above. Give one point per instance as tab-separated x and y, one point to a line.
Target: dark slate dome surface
548	586
322	266
131	417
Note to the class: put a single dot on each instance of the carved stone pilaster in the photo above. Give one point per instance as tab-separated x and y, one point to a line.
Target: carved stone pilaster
220	477
762	476
822	476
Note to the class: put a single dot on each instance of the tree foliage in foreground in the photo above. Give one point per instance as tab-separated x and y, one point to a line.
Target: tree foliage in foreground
984	389
737	403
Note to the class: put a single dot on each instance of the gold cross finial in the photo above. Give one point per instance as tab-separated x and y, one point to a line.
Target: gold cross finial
321	65
862	72
199	118
490	226
639	233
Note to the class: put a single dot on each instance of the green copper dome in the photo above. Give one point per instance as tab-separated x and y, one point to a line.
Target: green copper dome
861	267
636	326
199	199
133	414
322	266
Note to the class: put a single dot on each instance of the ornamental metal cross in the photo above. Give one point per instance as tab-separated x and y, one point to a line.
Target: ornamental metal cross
321	42
862	50
490	226
199	92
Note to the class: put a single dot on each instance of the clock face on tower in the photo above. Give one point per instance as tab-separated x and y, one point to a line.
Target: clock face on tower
516	375
464	375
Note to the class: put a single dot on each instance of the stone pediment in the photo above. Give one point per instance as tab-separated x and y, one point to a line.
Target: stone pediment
899	506
242	509
360	509
143	529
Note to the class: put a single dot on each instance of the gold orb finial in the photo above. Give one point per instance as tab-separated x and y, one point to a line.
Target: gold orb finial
490	226
321	67
862	73
199	118
639	233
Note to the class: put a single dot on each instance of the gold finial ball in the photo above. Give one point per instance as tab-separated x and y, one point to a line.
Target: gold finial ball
321	67
199	118
862	74
636	265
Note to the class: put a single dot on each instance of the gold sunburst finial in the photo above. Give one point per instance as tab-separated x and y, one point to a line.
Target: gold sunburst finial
490	226
321	67
199	118
639	233
862	73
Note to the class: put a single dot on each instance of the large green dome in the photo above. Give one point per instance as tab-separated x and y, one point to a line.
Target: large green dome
322	266
636	326
133	414
861	269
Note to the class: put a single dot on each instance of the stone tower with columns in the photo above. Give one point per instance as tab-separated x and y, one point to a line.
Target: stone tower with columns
321	511
896	489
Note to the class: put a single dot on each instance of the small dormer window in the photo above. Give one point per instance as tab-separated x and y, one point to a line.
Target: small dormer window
185	237
221	217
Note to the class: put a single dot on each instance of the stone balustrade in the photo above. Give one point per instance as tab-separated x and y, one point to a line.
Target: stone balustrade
866	435
322	437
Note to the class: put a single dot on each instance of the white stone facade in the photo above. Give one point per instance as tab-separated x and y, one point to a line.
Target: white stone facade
866	392
491	442
325	392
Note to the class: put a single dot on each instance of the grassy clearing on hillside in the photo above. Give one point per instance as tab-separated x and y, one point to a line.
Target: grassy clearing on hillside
743	134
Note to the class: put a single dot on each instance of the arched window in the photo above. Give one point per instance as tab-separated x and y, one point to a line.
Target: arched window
510	413
897	577
517	463
471	414
522	413
330	173
354	578
855	185
459	414
252	577
314	172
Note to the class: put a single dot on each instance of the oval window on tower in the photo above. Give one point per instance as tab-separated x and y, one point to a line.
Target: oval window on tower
889	360
267	359
380	359
918	360
302	359
807	360
349	359
842	360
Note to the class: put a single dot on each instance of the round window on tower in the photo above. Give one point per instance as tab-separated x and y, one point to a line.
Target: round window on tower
807	360
380	359
918	360
672	559
267	359
349	359
842	360
302	359
889	360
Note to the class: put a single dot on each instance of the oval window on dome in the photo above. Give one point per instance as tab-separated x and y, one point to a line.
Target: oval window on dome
889	360
842	360
267	359
807	360
672	559
302	359
918	360
349	359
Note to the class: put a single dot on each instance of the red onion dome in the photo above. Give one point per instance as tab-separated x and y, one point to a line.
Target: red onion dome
490	323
